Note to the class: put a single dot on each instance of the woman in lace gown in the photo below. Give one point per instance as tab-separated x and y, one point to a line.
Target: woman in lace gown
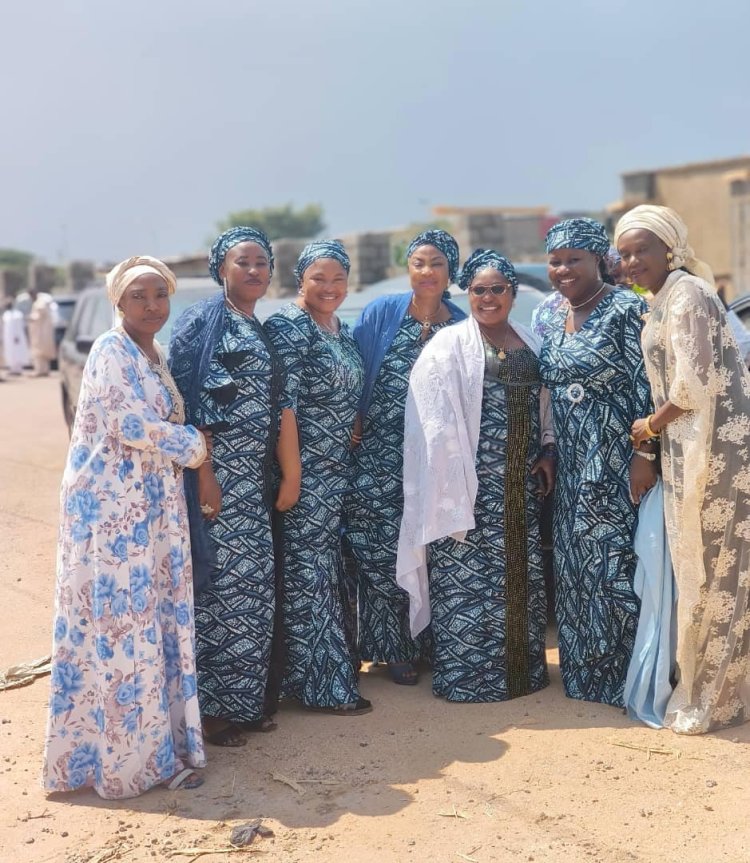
478	454
701	393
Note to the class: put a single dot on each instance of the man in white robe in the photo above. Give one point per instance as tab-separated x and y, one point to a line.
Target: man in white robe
41	323
15	346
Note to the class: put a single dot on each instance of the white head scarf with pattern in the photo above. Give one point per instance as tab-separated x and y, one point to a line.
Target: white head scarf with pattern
667	225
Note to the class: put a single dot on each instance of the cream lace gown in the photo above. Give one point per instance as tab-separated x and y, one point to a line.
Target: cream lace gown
692	359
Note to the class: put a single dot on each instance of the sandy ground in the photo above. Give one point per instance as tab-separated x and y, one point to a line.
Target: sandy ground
540	778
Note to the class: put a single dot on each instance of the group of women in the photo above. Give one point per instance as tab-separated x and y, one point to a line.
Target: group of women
206	506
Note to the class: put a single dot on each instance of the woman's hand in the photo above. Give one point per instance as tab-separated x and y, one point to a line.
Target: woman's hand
208	437
356	438
544	471
289	489
209	491
638	432
643	476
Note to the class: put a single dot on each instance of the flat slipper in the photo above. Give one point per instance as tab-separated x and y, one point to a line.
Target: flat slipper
361	706
403	673
229	737
262	725
186	778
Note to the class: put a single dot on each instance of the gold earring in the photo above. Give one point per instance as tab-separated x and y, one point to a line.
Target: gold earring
670	256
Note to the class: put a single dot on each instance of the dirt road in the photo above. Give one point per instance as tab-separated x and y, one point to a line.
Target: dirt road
540	778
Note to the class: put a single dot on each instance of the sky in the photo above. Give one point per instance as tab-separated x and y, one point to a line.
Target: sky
133	128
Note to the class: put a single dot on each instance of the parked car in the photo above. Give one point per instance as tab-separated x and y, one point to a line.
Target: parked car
93	316
741	308
66	304
527	299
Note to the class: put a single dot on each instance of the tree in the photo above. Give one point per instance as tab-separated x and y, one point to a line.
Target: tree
278	222
15	258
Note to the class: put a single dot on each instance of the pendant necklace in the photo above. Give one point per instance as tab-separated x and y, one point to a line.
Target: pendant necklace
499	351
425	320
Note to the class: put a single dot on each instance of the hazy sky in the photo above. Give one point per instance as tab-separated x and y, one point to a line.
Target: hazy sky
132	127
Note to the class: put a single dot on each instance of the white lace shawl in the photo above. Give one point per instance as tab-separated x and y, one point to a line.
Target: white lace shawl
441	436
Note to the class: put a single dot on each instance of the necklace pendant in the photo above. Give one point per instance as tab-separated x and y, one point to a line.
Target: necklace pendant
501	354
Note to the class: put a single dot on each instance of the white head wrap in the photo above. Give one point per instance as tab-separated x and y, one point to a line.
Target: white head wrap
125	273
672	231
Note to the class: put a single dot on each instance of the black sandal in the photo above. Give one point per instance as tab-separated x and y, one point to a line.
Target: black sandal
231	737
262	725
403	673
360	707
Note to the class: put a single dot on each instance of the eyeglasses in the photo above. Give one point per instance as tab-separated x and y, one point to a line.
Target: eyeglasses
498	290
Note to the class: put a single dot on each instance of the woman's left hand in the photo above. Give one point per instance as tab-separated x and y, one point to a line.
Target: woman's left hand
643	476
544	471
638	433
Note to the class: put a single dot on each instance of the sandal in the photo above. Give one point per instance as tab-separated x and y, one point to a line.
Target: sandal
262	725
357	708
403	673
231	736
186	778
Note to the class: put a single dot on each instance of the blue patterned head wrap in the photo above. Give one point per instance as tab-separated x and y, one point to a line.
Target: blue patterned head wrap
481	259
224	242
442	241
579	234
321	249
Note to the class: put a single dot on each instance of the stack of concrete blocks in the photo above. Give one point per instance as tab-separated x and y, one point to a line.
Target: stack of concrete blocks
518	237
42	277
79	275
12	282
285	252
371	256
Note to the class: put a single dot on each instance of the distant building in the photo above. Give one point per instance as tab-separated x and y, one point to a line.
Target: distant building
516	232
714	200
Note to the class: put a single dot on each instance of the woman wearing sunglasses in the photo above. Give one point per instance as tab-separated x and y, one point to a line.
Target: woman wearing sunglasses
478	457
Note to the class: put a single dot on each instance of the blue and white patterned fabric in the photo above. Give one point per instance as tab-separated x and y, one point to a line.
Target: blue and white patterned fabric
324	381
235	613
232	237
333	249
581	233
487	595
124	712
443	242
373	510
598	386
481	259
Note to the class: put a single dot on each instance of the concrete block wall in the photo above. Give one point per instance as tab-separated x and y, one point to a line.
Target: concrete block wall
371	257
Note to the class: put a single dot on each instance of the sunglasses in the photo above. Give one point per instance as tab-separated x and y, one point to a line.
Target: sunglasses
498	290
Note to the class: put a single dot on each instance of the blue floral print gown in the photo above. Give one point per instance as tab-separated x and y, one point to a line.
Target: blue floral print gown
487	595
375	507
234	616
123	713
323	386
598	387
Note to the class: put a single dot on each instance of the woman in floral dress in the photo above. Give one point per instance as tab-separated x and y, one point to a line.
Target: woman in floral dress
123	713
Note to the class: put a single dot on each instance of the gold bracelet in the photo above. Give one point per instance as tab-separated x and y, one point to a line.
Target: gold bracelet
647	425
